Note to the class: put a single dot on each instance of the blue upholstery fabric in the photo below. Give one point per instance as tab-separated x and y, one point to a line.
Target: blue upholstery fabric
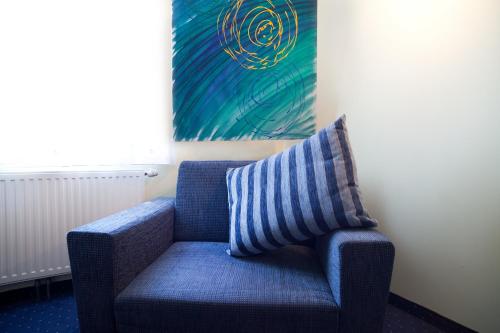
108	254
128	276
358	265
197	287
308	190
201	201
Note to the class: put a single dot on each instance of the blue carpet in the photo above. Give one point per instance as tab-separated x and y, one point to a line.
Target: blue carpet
21	313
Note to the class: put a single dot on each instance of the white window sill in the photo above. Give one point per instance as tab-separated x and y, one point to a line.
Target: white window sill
81	168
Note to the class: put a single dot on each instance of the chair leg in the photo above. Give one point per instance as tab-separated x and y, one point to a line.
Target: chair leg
48	282
37	290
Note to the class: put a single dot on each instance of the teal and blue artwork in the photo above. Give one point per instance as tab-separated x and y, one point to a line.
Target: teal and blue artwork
244	69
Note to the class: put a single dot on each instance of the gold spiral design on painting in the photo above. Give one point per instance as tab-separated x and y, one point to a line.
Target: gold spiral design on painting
258	34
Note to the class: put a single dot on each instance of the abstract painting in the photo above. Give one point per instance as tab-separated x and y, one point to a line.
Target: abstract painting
244	69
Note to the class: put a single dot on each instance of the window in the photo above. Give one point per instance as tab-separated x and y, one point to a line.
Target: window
84	82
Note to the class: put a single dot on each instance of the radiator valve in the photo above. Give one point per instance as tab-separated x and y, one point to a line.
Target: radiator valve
151	173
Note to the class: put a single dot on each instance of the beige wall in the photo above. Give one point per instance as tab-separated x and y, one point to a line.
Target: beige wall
420	84
165	182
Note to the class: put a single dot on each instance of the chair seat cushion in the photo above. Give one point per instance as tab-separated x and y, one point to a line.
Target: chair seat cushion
197	287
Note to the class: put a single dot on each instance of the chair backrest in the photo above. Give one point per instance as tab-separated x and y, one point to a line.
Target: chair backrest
201	205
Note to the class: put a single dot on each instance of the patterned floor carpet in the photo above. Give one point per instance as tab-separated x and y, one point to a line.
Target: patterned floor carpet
21	313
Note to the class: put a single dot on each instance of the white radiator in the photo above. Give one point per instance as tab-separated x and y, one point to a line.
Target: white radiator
37	210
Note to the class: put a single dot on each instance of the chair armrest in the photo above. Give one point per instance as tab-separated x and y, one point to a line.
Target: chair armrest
108	254
358	266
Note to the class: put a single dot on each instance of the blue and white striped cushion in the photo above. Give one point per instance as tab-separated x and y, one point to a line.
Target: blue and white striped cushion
305	191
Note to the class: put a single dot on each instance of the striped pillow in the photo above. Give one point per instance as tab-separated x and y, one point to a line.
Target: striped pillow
305	191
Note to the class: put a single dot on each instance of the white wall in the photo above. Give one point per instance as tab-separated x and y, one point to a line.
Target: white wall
419	82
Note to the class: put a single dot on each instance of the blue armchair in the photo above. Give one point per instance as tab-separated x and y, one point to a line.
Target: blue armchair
162	267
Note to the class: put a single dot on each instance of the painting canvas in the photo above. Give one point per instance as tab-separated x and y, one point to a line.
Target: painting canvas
244	69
